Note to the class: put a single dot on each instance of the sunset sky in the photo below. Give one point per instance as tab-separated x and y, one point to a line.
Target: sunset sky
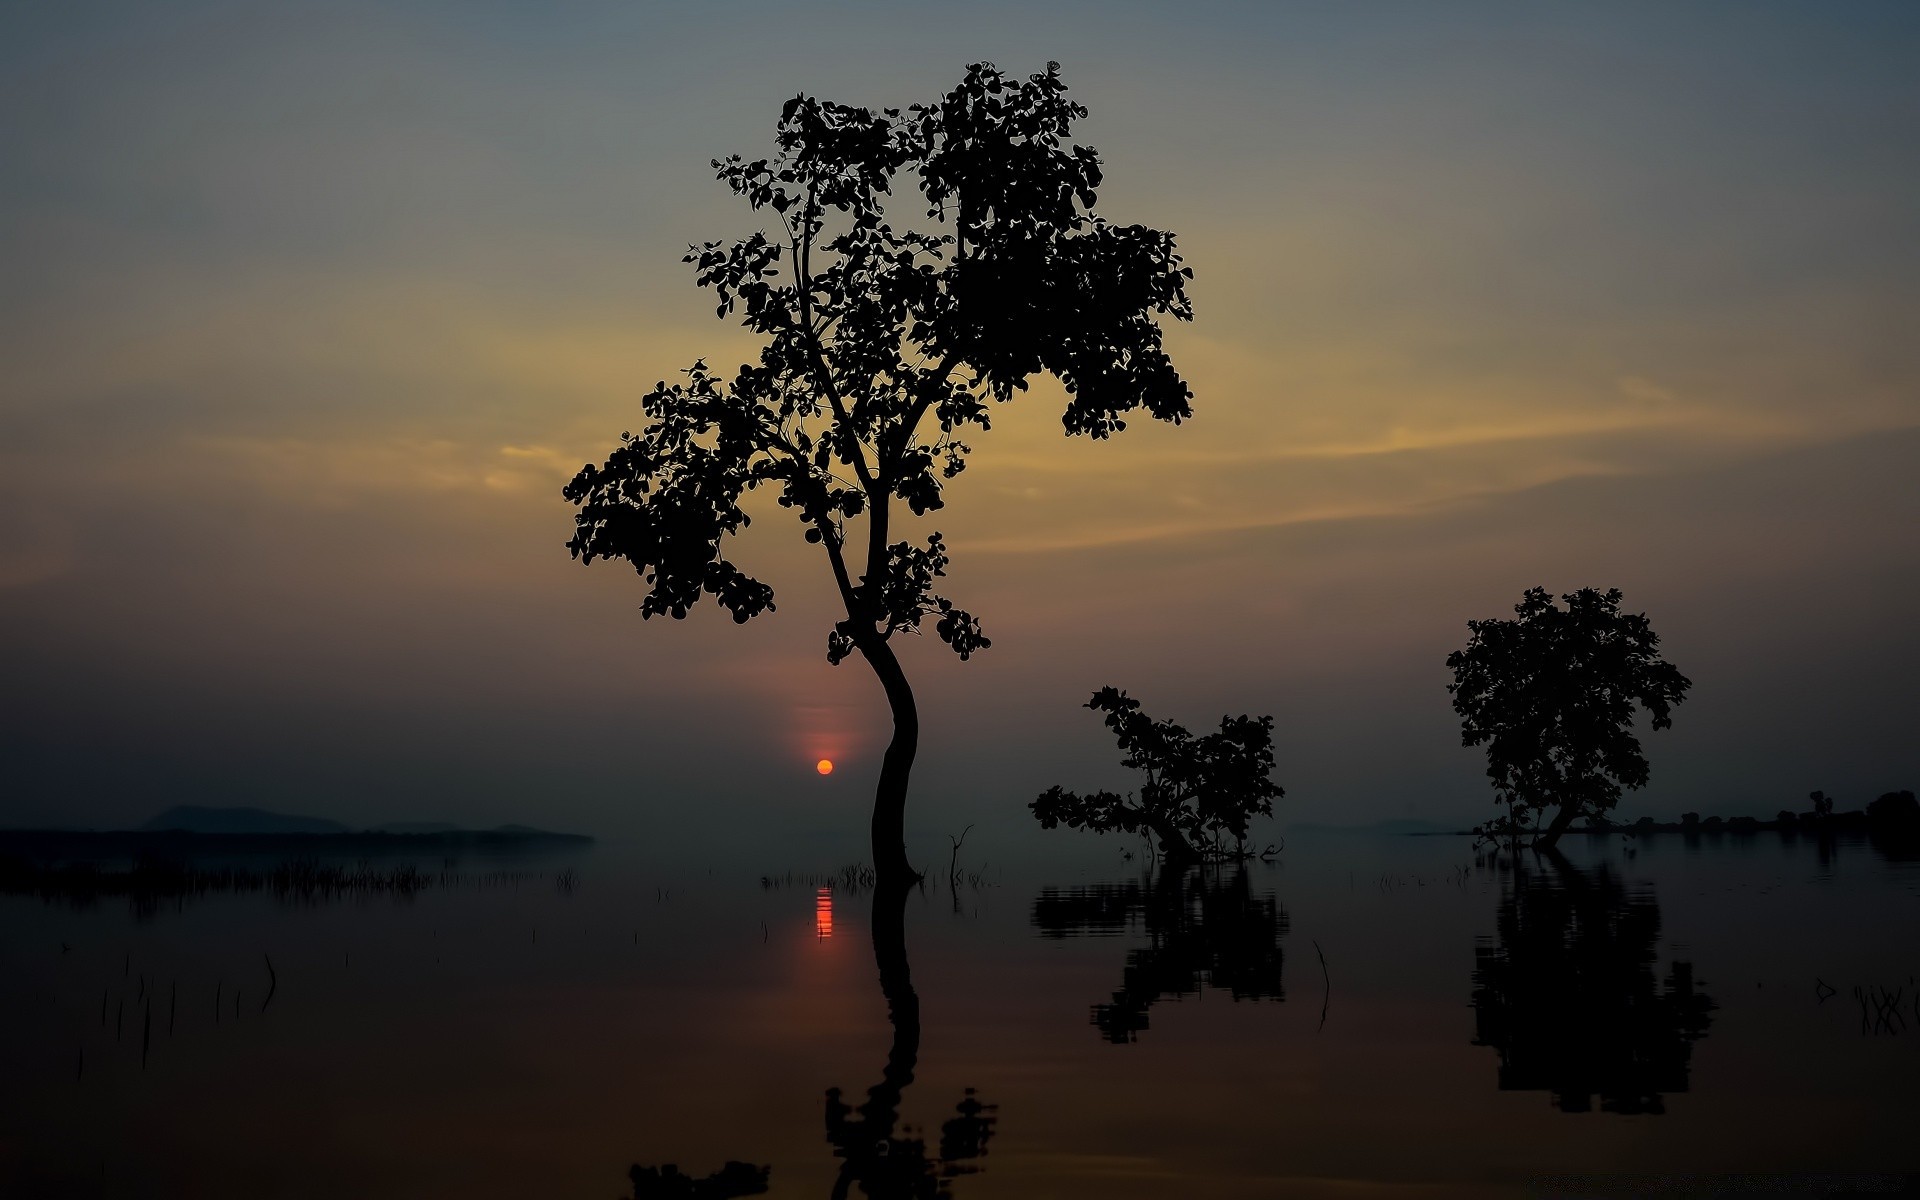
308	310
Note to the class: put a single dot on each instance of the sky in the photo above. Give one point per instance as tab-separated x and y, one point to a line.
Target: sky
308	311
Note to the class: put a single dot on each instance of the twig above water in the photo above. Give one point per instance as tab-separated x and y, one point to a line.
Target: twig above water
1326	994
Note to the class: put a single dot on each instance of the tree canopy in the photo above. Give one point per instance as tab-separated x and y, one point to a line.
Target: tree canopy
872	329
1198	793
1553	694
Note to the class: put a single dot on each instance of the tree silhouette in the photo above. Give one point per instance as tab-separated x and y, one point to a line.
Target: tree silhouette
1569	997
871	330
1198	791
1552	694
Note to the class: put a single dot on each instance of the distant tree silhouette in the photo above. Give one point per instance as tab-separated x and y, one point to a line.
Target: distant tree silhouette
1198	791
1568	994
1897	810
1552	694
1204	928
872	329
1893	825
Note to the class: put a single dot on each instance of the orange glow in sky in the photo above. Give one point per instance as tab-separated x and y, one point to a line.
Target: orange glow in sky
824	766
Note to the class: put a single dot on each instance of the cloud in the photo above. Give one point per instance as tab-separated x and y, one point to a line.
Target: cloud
1634	387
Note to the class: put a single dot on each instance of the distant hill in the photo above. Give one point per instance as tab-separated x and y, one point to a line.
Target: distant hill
188	833
193	818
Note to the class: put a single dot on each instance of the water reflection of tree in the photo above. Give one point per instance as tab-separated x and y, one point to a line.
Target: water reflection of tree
669	1183
1569	996
882	1157
1205	928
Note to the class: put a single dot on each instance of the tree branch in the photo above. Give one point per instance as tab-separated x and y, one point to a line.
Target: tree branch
925	401
830	538
810	342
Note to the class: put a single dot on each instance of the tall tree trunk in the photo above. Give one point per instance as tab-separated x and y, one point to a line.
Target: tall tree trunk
890	797
1561	821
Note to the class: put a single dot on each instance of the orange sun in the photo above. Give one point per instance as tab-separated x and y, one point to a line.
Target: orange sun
824	766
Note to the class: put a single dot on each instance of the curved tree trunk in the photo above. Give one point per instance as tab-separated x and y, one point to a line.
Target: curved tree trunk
1174	847
890	797
1561	821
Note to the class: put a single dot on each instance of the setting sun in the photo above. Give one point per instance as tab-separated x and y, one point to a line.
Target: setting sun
824	766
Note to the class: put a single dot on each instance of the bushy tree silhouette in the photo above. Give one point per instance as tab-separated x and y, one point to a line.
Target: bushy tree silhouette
1552	694
872	329
1198	792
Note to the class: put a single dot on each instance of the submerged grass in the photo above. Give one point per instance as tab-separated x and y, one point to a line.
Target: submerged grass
857	878
852	879
148	883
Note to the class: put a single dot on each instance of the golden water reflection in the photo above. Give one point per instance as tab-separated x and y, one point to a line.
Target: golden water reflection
823	913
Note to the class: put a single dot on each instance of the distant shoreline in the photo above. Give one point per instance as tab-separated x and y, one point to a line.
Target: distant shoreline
1812	826
138	843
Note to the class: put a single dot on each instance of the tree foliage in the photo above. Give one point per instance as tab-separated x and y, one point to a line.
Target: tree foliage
884	344
1198	792
871	328
1552	694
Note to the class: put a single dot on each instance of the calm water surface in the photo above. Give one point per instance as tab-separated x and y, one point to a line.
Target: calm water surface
1365	1015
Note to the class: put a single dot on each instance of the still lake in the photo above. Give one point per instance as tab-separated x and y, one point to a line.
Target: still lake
1364	1015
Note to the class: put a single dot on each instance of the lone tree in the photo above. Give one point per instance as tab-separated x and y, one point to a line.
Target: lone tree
1552	694
872	331
1198	793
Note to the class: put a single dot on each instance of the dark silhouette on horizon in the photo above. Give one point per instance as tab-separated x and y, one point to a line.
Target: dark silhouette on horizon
1567	993
151	884
871	330
1205	928
1552	694
1893	826
1198	791
1890	824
